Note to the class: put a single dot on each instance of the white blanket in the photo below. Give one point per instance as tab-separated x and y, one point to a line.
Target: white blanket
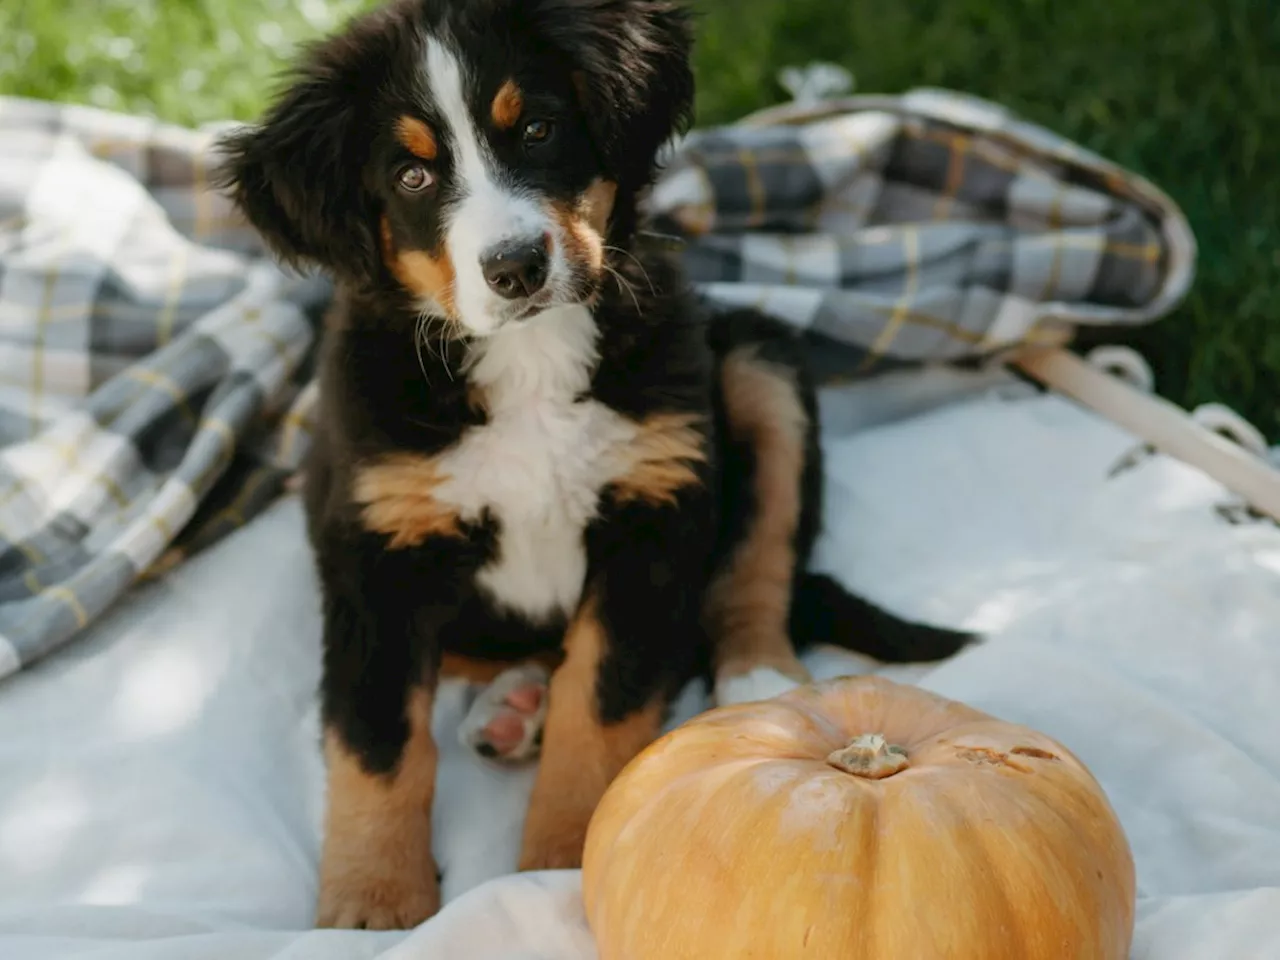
160	783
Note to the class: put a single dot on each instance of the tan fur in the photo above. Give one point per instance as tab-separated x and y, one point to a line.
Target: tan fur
596	205
416	137
507	106
376	868
583	224
580	754
663	457
421	272
428	275
747	606
395	494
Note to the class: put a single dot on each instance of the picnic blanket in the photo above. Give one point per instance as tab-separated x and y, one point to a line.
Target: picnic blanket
155	363
162	790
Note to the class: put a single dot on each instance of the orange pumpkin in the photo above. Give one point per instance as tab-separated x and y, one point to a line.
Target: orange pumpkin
857	819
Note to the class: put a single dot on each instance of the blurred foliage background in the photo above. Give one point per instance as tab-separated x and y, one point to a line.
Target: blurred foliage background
1186	93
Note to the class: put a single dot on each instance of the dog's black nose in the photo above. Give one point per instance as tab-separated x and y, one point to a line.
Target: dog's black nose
516	269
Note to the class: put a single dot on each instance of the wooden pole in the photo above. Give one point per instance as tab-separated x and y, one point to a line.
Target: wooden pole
1164	425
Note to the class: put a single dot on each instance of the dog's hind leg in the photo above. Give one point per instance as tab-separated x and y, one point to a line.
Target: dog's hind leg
769	438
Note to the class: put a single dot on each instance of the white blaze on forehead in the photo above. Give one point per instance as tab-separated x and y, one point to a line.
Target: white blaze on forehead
488	212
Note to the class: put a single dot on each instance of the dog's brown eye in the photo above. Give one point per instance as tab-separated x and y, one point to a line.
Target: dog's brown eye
415	178
537	131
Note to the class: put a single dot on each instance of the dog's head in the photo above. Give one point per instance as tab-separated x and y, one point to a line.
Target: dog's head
478	153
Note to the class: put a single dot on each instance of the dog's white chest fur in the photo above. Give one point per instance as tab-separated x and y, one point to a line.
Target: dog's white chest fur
540	462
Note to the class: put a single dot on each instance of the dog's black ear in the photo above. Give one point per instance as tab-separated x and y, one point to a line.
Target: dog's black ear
634	72
296	175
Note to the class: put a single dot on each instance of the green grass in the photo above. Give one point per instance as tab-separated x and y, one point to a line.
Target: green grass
1186	93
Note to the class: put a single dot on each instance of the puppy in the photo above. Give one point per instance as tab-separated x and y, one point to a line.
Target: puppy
533	445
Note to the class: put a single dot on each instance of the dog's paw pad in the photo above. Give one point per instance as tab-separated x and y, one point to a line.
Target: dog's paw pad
504	723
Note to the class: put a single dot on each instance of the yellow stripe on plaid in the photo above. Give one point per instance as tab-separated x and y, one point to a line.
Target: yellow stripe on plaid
154	378
955	177
911	254
13	491
177	282
200	198
64	594
71	454
1146	252
1054	275
233	513
953	330
223	430
278	346
31	553
226	450
37	349
172	505
295	425
755	187
983	150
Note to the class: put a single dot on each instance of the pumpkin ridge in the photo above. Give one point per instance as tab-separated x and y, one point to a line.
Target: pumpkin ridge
1089	812
981	866
869	863
642	855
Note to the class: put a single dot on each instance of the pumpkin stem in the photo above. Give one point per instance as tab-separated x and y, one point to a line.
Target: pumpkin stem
869	756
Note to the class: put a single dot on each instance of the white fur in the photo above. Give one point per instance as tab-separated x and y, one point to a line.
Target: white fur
762	683
491	701
489	212
540	461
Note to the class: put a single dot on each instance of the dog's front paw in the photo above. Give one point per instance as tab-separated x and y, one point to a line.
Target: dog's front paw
387	899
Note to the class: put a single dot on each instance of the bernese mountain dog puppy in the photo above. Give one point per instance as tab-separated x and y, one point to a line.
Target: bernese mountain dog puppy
534	446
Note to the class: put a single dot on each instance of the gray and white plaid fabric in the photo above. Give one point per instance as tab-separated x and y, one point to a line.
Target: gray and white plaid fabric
155	364
920	228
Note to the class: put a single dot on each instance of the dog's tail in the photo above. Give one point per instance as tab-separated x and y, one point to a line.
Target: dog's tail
823	611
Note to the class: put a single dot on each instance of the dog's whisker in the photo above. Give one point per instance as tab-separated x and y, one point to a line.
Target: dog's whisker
622	282
418	338
445	336
634	259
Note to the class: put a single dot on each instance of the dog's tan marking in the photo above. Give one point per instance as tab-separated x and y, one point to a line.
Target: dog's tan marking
583	226
747	606
662	459
475	670
416	137
596	205
580	754
396	496
376	868
427	275
507	106
423	273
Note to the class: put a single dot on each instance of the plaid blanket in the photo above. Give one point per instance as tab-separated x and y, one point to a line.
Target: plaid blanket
155	364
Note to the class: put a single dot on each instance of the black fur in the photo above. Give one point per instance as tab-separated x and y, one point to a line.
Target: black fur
317	178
